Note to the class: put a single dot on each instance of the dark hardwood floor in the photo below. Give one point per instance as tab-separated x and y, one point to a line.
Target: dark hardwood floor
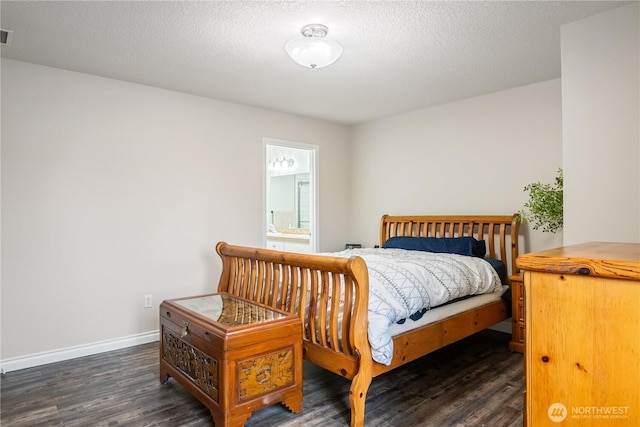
475	382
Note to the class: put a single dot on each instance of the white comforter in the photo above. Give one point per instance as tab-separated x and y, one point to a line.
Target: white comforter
403	282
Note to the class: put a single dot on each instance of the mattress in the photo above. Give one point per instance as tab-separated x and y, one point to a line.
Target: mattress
446	310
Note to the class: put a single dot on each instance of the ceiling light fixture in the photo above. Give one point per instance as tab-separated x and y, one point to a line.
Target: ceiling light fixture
314	50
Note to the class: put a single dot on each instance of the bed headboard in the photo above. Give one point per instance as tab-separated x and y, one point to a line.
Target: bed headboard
500	232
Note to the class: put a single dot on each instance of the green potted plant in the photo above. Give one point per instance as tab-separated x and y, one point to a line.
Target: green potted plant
544	208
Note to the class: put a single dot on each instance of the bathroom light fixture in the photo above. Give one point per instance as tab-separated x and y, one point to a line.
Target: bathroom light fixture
313	50
282	163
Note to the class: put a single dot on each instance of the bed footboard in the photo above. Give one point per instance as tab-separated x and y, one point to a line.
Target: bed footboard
330	295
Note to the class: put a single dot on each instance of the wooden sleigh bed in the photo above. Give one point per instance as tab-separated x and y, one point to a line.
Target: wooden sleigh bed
335	332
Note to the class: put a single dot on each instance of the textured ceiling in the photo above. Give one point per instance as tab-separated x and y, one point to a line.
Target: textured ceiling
399	56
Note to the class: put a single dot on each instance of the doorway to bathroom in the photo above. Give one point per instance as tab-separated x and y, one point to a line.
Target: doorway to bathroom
290	196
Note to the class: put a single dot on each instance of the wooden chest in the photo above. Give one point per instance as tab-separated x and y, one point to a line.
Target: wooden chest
232	354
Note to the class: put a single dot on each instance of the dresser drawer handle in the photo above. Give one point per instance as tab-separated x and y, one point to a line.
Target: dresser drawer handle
585	271
168	314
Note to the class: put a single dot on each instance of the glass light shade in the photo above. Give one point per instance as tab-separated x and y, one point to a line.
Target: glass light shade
313	52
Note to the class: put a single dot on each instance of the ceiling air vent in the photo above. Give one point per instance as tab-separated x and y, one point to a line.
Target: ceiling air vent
5	37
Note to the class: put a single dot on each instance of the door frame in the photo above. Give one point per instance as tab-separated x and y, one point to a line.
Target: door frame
313	184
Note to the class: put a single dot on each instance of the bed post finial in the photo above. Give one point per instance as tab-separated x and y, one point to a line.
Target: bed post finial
223	283
515	232
383	229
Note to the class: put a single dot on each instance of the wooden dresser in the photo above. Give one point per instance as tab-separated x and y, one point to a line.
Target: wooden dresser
582	355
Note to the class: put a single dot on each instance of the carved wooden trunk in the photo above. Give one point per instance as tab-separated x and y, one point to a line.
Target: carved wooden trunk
232	354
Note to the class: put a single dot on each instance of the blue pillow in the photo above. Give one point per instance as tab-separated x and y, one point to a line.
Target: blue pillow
451	245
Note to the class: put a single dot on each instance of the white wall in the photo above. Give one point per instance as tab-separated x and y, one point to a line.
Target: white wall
601	119
469	157
112	190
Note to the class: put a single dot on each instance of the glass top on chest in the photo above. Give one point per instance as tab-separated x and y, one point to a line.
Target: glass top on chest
229	310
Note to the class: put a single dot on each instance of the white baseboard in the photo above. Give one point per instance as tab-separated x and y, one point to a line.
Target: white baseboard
37	359
504	326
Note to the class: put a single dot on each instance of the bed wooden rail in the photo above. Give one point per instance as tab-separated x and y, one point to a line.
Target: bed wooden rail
329	294
500	232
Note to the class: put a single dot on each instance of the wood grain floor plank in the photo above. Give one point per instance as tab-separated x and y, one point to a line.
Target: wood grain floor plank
475	382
